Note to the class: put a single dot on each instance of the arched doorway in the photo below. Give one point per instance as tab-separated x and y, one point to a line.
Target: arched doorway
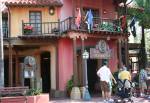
45	71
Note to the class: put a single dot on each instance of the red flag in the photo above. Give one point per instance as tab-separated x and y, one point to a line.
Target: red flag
123	22
78	19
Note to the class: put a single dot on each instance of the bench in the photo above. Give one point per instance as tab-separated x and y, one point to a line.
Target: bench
13	91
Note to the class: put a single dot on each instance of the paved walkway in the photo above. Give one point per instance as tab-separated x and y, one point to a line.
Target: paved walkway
97	100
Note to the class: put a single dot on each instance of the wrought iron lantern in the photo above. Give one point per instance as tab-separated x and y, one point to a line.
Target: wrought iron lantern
51	10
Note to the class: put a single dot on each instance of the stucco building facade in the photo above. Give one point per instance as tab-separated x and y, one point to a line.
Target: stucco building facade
57	44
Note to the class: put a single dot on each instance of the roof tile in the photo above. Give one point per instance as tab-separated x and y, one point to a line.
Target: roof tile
33	2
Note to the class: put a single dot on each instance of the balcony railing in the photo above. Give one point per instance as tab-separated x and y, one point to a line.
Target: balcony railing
58	28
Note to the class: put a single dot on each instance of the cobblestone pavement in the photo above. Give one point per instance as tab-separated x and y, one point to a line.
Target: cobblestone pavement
97	100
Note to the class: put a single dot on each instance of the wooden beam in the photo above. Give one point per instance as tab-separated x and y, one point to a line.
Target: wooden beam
119	53
75	72
83	66
127	53
10	66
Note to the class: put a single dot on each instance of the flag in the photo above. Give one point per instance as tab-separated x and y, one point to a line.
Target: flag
132	27
78	19
89	17
123	22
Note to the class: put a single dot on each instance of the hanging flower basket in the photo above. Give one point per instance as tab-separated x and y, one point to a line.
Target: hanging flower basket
28	29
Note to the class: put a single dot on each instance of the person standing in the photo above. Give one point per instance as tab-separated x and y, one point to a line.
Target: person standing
148	82
111	82
142	81
105	76
124	74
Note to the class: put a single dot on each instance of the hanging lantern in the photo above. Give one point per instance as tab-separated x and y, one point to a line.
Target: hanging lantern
51	10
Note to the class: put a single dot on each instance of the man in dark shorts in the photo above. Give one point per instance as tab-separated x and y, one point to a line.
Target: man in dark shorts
105	76
104	86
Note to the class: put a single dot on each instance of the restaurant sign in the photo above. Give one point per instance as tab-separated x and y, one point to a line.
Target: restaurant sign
101	51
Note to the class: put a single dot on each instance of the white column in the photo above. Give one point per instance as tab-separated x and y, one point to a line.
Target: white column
1	49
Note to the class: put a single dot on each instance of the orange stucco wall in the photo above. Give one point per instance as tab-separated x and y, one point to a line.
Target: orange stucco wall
21	13
65	62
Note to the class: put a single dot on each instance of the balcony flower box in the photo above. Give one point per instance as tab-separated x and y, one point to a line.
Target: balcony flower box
28	29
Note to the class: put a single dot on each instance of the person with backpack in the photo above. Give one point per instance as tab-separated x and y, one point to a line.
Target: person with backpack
142	81
124	73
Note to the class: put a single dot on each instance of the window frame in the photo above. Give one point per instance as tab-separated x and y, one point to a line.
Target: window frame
36	28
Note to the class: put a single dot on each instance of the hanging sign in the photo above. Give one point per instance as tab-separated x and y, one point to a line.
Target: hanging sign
29	67
28	73
101	51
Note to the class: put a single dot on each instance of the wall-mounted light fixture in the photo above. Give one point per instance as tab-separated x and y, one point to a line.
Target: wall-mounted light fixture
104	11
51	10
108	38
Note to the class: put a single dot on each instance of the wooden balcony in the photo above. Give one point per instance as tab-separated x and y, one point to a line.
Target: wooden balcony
60	27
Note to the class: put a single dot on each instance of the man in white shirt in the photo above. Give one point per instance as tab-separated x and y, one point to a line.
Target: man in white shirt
105	76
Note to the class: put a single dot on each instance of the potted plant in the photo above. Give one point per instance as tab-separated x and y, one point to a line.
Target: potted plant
69	86
28	29
33	92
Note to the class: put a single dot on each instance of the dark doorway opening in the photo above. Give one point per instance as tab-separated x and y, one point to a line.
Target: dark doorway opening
92	76
6	72
45	71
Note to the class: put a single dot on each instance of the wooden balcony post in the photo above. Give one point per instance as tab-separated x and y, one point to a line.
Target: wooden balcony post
70	23
59	28
22	27
126	53
10	65
17	83
75	92
83	66
75	79
119	54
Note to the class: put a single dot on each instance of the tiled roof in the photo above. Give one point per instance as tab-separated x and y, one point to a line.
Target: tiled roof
33	2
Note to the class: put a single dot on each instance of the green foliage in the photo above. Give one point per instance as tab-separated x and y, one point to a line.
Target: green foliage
33	92
69	84
107	27
141	15
110	27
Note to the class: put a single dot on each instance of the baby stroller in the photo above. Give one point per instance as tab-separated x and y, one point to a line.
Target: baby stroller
124	91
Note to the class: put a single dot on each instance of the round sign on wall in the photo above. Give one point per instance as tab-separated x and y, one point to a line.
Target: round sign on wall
30	61
102	46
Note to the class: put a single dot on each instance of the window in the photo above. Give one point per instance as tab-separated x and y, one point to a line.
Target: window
94	11
5	28
35	20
